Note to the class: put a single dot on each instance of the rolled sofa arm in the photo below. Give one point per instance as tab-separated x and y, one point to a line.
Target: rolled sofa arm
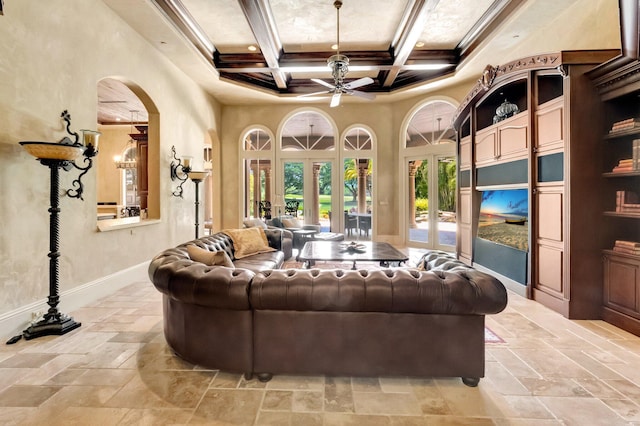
460	292
175	275
274	237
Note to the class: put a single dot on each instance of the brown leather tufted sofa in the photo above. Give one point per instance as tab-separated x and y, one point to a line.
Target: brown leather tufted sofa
383	322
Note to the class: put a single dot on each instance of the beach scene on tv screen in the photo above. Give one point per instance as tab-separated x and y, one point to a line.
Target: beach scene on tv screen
504	218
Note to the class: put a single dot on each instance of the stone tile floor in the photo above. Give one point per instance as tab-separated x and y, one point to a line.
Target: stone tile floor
117	370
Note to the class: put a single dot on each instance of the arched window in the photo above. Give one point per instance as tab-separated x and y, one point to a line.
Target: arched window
431	125
358	176
257	140
257	147
307	131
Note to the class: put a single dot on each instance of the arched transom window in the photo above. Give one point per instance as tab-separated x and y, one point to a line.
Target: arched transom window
358	139
431	125
257	140
307	131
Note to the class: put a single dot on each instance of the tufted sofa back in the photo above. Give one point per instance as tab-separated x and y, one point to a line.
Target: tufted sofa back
464	291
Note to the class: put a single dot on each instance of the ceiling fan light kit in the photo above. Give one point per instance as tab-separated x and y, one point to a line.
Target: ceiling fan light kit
339	65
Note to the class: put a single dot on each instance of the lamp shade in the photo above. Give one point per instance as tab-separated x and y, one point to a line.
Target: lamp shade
52	150
197	175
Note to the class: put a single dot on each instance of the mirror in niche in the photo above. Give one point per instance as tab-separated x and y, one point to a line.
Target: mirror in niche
122	175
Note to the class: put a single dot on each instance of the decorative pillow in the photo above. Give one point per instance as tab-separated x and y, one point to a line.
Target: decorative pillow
210	258
254	223
248	241
291	223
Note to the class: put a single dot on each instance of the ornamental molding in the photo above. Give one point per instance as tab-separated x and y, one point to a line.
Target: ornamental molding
490	74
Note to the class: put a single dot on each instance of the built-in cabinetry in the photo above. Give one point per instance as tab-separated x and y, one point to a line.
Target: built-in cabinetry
618	82
547	146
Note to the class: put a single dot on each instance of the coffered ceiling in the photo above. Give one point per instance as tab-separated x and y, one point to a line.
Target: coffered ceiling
279	45
408	47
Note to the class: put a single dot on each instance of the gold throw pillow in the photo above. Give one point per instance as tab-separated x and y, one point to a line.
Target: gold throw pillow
248	241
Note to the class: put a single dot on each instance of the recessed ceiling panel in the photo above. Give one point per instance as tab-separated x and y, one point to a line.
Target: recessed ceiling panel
450	21
364	25
224	23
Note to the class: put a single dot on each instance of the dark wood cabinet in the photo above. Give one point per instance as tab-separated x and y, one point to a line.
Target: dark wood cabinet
547	148
622	290
618	83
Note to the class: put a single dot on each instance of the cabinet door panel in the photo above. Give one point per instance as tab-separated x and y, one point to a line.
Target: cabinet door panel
621	284
514	138
486	146
465	153
549	268
550	215
550	128
465	241
465	207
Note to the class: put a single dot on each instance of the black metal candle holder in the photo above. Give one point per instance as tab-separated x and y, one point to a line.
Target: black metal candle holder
180	168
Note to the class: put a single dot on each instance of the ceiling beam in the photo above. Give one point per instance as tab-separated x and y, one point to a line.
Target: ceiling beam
262	23
175	11
407	34
497	13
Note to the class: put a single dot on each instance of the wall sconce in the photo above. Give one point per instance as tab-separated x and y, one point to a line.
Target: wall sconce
180	168
56	156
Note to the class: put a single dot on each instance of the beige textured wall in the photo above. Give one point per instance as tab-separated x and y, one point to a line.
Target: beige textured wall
52	54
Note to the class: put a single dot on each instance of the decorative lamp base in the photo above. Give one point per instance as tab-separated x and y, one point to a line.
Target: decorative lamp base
58	325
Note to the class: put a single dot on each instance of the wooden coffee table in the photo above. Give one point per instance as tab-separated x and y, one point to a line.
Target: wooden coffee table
384	253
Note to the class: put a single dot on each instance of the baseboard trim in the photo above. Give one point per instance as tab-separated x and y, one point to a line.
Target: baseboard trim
13	322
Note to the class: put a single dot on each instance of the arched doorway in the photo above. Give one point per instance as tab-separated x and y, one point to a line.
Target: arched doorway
358	153
429	184
129	122
307	159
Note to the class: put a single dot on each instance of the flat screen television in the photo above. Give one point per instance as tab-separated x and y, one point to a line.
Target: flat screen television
504	218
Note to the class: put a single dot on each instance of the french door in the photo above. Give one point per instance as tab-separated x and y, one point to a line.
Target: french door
307	189
430	193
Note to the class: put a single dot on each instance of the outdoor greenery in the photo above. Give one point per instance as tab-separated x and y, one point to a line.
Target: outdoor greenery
422	205
446	185
294	180
351	178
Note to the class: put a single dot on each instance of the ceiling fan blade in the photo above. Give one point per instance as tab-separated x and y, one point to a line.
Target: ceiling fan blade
308	95
359	83
364	95
335	100
324	83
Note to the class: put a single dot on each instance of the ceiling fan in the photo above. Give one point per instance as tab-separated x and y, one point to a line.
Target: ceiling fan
339	65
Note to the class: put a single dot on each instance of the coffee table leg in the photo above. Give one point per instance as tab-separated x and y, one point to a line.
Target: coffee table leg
354	266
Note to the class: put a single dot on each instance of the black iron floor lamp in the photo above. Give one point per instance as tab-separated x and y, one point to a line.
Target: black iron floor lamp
197	177
56	156
181	170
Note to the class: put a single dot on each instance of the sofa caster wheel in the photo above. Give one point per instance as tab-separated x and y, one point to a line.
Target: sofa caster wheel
248	376
265	377
471	381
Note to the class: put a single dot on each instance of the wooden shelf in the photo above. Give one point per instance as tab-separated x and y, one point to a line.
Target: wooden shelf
618	253
623	133
619	214
616	175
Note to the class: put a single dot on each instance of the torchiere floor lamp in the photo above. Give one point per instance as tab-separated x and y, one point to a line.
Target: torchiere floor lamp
56	156
197	177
